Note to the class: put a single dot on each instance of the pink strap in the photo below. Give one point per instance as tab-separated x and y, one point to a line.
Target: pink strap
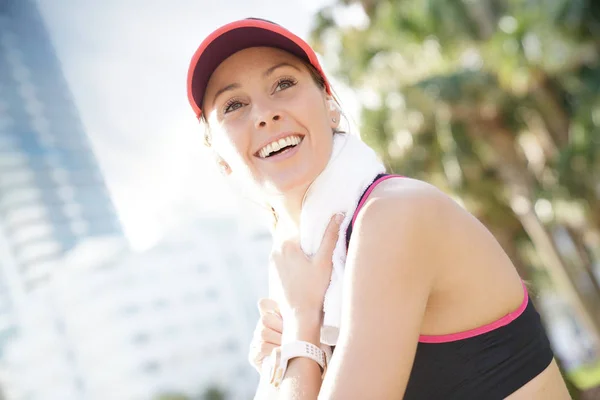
507	319
368	193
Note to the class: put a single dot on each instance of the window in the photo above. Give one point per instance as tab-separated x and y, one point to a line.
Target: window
17	178
46	139
212	294
221	321
19	72
31	232
79	226
192	297
22	214
38	271
170	331
141	338
232	260
32	252
161	303
72	209
3	6
131	309
19	195
151	367
35	108
8	142
27	90
6	120
231	346
12	158
202	268
66	192
60	175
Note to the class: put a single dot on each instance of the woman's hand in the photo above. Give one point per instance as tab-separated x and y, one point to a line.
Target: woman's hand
267	334
304	280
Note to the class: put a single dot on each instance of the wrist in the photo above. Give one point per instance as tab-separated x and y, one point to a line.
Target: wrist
305	326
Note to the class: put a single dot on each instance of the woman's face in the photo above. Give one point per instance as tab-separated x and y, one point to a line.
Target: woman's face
269	120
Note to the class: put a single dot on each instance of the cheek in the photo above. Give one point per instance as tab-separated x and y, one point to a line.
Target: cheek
229	147
234	149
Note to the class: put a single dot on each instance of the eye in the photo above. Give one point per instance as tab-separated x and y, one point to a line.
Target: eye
285	83
232	105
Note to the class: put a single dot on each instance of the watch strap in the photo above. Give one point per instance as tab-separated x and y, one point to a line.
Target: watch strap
283	354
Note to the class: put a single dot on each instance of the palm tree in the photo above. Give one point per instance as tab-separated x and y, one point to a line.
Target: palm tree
496	102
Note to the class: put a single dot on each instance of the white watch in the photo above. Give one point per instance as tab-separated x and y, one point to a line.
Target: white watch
282	355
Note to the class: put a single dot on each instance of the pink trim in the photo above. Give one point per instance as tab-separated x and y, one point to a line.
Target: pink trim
249	23
507	319
368	193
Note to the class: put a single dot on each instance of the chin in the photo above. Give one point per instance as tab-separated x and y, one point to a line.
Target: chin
294	184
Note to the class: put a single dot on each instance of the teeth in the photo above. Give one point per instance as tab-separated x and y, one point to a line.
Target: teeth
275	146
269	149
278	145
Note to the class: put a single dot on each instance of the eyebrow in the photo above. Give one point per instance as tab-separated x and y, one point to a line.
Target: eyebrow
270	70
229	87
266	74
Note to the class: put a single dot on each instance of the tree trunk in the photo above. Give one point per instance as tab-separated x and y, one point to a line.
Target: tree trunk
555	117
584	257
515	174
585	305
482	15
506	238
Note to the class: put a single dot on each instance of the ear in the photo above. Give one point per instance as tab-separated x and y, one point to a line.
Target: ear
224	168
333	112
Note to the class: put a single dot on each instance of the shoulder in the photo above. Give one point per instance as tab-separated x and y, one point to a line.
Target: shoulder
400	204
408	221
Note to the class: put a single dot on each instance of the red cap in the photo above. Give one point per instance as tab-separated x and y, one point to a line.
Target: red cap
236	36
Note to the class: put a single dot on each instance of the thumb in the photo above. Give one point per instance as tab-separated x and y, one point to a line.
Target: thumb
329	241
266	306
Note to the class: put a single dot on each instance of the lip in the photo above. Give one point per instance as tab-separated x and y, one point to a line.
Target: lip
274	138
285	155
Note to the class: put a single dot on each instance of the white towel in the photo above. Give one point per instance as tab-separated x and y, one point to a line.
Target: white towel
352	167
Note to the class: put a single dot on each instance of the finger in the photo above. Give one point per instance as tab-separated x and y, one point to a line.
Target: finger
272	321
267	306
265	349
270	336
329	239
258	354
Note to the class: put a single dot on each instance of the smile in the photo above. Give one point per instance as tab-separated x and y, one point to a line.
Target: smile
280	146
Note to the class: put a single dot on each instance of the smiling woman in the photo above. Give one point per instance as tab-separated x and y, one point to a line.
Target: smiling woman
459	321
273	101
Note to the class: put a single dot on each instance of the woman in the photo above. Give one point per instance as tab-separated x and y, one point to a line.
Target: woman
432	306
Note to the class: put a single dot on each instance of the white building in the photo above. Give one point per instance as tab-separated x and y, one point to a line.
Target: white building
52	193
177	318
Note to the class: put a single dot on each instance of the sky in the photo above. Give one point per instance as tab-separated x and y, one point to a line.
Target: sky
126	64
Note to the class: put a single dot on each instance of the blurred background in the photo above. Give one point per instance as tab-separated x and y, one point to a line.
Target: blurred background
129	269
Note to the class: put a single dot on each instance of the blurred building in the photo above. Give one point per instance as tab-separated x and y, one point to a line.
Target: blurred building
175	319
52	194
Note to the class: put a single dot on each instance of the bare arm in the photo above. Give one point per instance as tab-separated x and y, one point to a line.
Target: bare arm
389	275
303	376
397	246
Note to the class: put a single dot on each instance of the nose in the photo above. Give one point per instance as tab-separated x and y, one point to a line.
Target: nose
266	116
275	117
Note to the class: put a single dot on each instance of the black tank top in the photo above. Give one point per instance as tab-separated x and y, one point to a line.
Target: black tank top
486	363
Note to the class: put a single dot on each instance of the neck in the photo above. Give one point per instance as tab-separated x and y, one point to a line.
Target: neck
288	209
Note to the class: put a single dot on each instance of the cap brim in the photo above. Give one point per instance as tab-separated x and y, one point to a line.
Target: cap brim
234	37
